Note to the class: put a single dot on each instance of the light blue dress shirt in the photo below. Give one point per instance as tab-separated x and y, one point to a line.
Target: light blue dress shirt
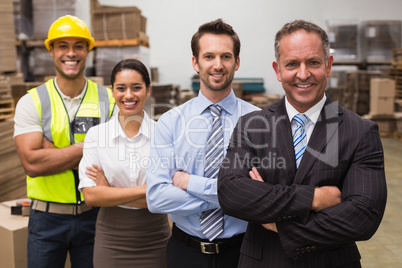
179	144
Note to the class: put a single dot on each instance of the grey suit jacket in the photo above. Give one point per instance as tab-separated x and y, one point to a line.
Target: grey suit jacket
344	150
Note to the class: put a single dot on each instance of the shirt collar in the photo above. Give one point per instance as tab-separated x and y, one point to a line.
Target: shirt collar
228	104
313	113
117	130
65	97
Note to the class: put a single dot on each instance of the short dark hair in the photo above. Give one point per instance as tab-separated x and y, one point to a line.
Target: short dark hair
131	64
309	27
215	27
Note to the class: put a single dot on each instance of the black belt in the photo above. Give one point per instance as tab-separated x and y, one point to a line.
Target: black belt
205	246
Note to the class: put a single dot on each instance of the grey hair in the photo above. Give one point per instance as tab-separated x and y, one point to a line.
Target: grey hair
309	27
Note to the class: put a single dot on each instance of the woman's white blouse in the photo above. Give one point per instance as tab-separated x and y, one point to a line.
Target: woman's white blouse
123	160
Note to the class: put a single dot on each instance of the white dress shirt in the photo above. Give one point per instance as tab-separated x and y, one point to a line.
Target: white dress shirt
123	160
313	113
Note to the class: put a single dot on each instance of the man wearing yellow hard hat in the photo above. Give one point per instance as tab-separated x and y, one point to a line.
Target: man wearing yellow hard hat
51	122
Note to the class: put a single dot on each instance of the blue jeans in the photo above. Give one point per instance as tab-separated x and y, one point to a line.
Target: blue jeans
51	236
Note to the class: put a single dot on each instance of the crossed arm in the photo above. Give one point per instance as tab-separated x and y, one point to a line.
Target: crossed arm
95	186
314	215
40	157
324	197
102	195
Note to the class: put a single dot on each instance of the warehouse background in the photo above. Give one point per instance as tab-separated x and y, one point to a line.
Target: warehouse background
366	37
170	25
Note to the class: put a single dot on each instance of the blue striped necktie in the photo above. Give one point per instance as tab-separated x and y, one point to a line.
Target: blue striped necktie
299	137
211	221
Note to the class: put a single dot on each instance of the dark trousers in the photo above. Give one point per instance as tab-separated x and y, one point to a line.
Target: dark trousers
179	255
51	236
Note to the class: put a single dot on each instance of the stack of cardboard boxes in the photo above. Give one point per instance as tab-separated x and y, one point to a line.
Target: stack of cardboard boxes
6	101
120	33
379	38
344	40
8	52
44	14
382	107
357	92
164	97
396	74
8	58
110	22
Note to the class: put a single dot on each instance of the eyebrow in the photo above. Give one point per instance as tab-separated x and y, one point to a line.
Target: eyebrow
132	84
75	43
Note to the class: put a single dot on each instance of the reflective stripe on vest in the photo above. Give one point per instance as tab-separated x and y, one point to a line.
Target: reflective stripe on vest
96	107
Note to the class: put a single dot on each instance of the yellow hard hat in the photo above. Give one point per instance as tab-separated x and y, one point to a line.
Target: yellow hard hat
69	26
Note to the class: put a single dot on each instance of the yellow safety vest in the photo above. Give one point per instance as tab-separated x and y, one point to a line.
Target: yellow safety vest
96	107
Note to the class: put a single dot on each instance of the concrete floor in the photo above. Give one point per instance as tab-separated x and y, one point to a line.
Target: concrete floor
384	249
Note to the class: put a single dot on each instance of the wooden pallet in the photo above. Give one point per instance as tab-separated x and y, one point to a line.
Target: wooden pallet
6	108
122	42
5	88
396	74
141	41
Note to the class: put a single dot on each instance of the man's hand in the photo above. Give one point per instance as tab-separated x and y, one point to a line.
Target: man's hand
255	175
96	174
325	196
46	144
180	179
270	226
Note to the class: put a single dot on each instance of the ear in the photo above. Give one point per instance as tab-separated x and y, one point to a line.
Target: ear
195	64
275	65
149	90
237	63
51	50
329	67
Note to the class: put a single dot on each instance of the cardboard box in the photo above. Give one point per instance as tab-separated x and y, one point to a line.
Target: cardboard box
398	118
107	57
382	87
382	106
8	51
45	12
386	123
379	38
344	40
109	22
14	237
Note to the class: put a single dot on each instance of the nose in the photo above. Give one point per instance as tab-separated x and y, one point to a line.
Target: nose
218	63
71	51
128	93
303	73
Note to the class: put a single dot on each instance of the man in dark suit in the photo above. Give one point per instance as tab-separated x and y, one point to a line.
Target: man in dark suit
308	191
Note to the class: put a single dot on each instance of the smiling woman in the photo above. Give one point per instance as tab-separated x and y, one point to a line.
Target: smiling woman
127	234
130	90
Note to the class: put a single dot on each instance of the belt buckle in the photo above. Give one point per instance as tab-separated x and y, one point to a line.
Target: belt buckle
204	246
